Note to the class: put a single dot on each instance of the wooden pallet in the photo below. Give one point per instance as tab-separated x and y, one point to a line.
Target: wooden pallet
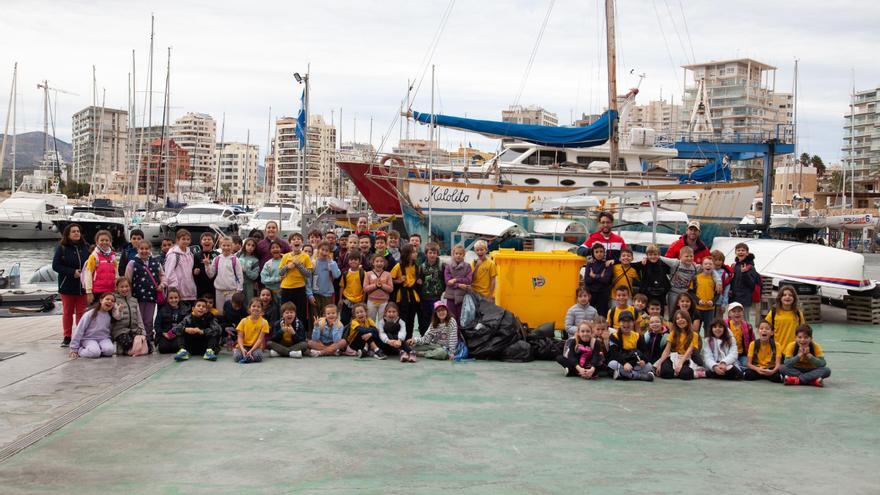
528	244
766	286
862	309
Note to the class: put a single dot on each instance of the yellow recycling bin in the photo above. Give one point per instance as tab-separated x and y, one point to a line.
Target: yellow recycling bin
537	287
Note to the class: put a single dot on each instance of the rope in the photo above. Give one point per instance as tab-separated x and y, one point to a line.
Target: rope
522	84
677	33
666	44
687	31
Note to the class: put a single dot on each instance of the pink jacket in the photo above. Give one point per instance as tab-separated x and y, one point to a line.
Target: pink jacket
378	288
179	272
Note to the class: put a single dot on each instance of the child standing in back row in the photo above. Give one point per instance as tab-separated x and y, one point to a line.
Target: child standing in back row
707	286
226	272
433	285
623	274
458	276
296	270
99	272
485	271
597	279
378	287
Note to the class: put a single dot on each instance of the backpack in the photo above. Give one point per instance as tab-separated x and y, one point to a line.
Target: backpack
234	266
772	313
756	291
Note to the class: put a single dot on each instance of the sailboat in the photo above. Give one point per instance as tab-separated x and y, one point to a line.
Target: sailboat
547	162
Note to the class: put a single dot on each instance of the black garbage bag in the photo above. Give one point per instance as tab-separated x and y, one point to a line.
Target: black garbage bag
545	348
518	352
493	330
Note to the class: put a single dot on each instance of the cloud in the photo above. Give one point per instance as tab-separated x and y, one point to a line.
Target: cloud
238	58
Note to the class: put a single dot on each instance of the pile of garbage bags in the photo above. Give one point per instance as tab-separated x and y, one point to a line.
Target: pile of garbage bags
492	332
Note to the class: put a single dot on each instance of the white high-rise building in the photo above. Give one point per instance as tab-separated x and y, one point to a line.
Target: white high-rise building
238	172
321	173
197	134
535	115
110	127
861	140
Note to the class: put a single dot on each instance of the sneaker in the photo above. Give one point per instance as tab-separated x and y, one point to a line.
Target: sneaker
272	353
650	374
817	383
65	342
296	354
315	353
182	355
792	380
361	353
412	357
209	355
616	375
647	377
404	357
351	352
379	355
245	360
700	373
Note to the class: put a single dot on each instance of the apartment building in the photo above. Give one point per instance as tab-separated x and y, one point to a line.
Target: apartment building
100	139
197	134
861	140
238	172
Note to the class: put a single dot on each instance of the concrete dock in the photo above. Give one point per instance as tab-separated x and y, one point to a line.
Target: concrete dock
341	425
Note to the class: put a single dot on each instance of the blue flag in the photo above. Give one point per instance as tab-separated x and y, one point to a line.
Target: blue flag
301	122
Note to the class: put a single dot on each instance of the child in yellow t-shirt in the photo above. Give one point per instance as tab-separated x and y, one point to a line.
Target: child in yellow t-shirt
683	341
764	356
251	331
623	274
485	271
706	288
785	316
296	269
621	299
804	360
351	285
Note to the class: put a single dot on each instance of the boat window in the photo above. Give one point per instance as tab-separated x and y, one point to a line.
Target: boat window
227	213
532	181
271	215
600	183
201	211
511	154
633	184
567	182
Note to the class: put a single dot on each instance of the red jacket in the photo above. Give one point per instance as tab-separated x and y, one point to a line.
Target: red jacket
699	253
613	244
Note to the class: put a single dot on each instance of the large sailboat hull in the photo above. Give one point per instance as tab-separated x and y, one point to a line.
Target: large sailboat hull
719	207
28	231
377	184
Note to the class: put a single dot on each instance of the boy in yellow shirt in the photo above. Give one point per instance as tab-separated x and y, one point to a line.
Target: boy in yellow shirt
804	360
351	286
621	299
249	348
485	271
623	274
706	288
296	270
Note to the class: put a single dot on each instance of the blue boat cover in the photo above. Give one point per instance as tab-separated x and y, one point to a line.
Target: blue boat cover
563	137
715	171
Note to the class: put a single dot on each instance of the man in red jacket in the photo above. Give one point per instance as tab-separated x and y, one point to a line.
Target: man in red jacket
613	243
691	239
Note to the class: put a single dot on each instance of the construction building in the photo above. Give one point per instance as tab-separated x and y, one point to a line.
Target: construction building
197	134
238	172
92	162
861	141
735	100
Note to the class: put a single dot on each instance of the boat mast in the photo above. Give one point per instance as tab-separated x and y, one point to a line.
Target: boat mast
14	132
166	123
247	165
149	128
431	160
852	139
220	155
795	130
612	83
8	113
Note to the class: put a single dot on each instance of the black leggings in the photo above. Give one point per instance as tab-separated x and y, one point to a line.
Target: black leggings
753	375
668	371
408	313
358	343
732	373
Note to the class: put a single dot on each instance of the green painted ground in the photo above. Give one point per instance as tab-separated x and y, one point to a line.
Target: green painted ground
339	425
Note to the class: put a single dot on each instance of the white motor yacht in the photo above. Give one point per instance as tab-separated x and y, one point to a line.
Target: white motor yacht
28	216
199	218
286	216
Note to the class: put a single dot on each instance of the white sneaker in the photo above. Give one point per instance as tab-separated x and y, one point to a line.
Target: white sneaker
272	353
315	353
296	354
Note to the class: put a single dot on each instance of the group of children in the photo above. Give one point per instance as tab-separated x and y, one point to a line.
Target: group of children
635	342
267	296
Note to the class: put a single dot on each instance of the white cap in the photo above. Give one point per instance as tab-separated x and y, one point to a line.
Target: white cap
734	305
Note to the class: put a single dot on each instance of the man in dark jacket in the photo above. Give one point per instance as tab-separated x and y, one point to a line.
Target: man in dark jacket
691	238
745	277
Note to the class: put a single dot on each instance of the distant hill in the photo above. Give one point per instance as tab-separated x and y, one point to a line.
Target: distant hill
29	148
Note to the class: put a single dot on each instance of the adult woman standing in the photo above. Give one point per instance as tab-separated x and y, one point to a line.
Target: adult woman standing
70	255
265	243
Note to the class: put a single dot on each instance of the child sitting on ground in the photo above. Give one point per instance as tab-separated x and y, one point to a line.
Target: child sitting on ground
621	300
288	337
392	333
327	334
442	337
682	343
363	334
251	331
741	330
91	338
198	333
580	312
804	360
170	314
234	310
582	353
626	355
720	352
654	338
127	324
764	360
271	310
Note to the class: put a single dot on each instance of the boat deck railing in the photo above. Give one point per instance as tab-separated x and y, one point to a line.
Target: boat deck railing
15	215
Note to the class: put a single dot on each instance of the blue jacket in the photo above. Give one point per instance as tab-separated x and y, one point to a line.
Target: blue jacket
67	260
322	277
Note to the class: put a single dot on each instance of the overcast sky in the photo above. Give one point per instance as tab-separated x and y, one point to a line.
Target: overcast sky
238	57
